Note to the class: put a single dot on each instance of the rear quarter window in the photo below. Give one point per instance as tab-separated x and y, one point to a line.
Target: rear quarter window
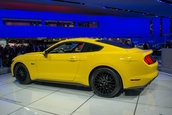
88	47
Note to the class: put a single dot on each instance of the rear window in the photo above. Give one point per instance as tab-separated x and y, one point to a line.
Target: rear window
114	43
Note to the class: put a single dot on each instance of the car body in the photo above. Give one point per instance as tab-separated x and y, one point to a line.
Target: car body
75	60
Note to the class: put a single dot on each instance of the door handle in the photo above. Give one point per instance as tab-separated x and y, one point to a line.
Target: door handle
73	59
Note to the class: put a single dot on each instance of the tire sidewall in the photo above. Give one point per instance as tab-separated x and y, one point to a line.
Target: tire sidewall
27	79
117	81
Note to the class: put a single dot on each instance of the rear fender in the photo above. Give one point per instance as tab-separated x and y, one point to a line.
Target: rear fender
113	67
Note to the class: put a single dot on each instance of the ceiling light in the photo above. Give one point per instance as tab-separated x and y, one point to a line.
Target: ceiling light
71	2
166	1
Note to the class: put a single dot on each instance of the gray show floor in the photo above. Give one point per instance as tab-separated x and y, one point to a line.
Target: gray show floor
50	99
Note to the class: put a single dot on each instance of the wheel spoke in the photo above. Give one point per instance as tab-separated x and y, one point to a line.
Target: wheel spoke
104	83
21	73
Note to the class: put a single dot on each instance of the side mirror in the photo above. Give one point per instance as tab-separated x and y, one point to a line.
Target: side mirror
45	53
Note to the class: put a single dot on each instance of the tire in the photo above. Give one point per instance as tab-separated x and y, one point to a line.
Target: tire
22	74
105	82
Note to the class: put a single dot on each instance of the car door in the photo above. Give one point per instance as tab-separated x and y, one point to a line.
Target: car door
61	62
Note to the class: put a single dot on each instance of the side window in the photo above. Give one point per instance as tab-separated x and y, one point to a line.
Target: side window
88	47
67	47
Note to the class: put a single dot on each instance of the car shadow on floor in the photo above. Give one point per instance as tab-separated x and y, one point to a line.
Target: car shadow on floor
64	85
133	92
127	92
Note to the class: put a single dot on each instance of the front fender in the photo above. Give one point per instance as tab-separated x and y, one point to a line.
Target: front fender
28	63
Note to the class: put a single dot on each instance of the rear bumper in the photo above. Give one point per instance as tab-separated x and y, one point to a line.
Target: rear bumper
137	87
143	82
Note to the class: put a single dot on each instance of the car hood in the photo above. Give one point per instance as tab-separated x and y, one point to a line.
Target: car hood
33	53
28	55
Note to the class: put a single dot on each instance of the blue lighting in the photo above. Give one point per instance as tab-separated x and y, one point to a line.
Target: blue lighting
109	26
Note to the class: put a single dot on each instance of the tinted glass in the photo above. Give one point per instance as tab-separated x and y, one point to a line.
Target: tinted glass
60	23
114	43
68	47
22	22
88	47
88	24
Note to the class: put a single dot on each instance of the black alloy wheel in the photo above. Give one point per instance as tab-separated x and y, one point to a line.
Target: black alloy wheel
22	74
106	82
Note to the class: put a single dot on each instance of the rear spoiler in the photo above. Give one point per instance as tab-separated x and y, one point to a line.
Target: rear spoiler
147	52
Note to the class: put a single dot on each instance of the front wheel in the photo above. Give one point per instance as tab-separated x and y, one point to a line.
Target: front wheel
106	82
22	74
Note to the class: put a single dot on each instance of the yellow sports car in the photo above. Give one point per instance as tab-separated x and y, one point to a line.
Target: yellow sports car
106	66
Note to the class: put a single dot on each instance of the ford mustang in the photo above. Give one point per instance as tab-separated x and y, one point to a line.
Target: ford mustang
106	66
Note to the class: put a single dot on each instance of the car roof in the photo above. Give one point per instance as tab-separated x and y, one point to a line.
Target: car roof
89	40
82	39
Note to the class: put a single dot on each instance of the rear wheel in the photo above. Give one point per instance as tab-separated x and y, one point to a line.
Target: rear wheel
22	74
106	82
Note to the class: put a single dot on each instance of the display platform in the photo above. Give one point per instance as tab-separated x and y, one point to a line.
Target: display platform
51	99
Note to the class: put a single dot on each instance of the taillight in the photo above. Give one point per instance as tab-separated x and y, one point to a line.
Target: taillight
149	60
